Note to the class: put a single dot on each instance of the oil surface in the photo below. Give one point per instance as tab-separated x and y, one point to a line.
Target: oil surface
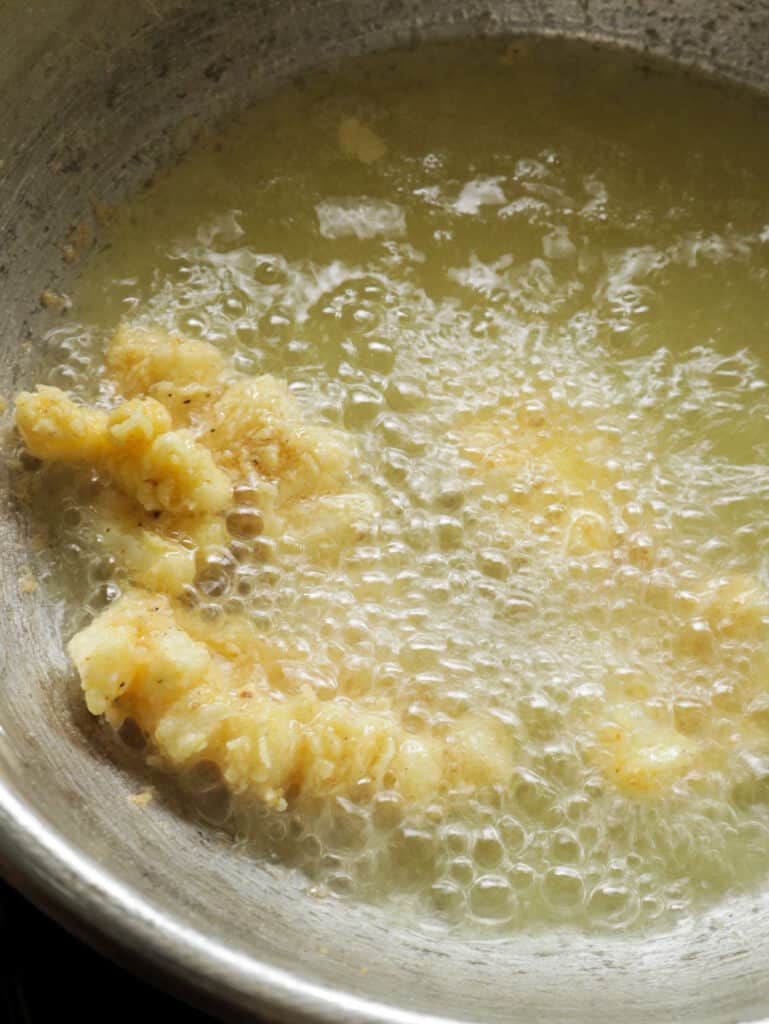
423	244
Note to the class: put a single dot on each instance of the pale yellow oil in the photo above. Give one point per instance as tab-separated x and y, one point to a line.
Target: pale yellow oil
537	222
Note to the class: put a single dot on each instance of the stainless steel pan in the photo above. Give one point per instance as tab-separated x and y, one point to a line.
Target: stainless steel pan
93	95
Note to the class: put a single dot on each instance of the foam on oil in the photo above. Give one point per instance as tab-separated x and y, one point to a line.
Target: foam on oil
420	242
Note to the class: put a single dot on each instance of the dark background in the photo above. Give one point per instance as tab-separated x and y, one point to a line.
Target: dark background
44	971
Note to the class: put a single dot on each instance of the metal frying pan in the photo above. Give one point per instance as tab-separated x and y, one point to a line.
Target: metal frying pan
92	95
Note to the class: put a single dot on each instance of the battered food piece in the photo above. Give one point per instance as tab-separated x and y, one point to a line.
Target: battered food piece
190	433
553	467
220	692
640	756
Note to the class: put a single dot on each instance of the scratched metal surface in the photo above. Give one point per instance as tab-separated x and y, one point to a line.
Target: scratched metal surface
92	97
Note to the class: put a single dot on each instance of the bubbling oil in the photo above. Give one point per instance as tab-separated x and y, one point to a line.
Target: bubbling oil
424	243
